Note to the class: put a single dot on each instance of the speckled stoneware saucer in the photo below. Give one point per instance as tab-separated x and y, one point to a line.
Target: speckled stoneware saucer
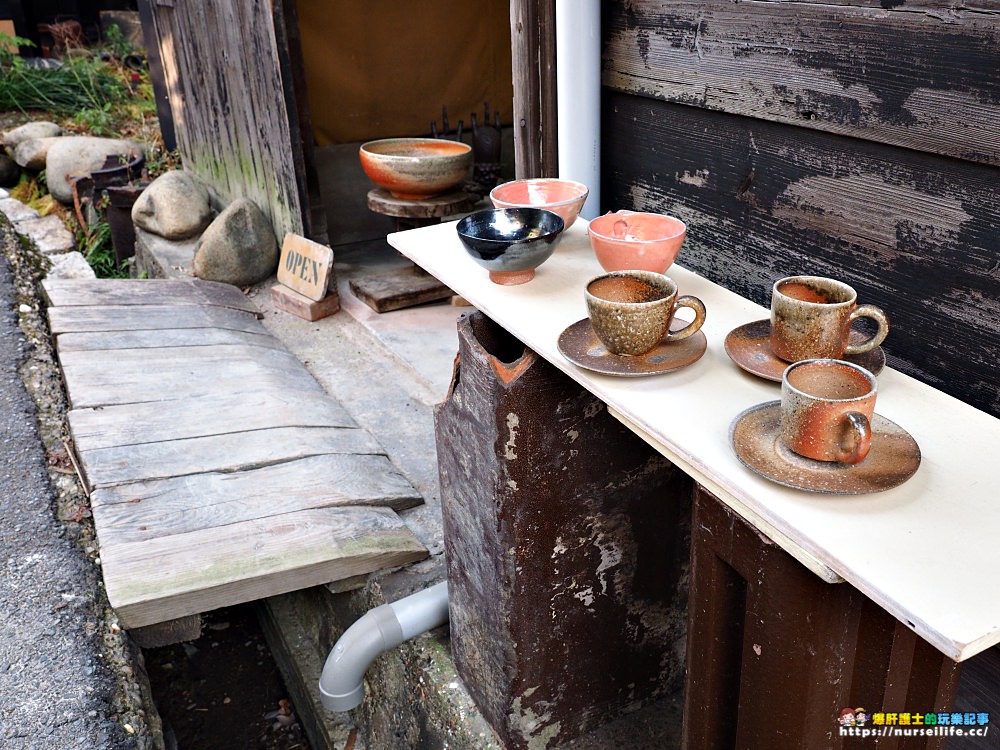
580	345
756	438
749	346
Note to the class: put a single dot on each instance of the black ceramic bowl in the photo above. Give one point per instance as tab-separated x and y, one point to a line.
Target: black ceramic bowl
511	243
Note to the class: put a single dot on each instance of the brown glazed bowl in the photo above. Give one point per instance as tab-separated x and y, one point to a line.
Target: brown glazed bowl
416	168
636	241
565	197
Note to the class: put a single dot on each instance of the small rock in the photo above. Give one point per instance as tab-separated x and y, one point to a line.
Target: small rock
238	247
176	206
74	156
29	131
31	154
9	170
16	211
71	265
24	309
49	234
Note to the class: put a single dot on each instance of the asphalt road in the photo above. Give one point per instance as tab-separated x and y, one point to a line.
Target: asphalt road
56	692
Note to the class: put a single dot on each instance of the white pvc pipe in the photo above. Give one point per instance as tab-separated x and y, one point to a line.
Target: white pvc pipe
342	684
578	99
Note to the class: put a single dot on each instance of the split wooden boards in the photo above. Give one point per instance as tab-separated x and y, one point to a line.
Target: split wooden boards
219	469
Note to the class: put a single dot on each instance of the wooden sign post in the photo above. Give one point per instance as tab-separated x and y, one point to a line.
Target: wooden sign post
306	284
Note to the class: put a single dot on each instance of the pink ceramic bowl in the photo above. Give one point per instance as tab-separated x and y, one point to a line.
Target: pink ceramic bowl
565	197
636	241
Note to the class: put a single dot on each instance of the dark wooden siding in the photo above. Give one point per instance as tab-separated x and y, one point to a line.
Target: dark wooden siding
844	140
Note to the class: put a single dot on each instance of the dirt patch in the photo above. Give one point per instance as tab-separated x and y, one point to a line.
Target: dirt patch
223	690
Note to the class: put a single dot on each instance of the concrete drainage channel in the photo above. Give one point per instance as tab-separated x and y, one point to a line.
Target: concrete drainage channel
223	690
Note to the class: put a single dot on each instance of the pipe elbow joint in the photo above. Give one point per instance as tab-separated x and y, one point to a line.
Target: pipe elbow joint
342	684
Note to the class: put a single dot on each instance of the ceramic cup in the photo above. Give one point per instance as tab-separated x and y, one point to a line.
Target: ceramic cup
631	311
827	407
811	317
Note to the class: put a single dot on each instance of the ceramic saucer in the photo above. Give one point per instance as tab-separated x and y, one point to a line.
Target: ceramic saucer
749	346
580	345
755	436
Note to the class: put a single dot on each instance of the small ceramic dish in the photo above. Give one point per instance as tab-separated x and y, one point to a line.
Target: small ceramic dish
565	197
749	346
580	345
633	240
510	243
755	436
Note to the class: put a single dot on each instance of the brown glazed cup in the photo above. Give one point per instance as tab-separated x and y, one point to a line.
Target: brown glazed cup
811	318
827	407
631	311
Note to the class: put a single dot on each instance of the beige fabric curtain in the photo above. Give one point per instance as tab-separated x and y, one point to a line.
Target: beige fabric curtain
384	68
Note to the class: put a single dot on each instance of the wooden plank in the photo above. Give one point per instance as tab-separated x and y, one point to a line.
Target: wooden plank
915	234
131	424
160	579
923	77
226	452
183	373
168	337
221	64
290	301
178	505
189	360
398	288
148	318
104	292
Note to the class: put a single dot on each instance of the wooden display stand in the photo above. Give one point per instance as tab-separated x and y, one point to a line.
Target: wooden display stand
566	541
409	286
306	284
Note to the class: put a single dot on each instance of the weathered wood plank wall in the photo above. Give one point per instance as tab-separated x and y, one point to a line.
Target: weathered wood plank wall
223	76
845	140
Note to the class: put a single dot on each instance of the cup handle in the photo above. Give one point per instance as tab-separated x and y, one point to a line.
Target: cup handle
861	430
876	314
695	325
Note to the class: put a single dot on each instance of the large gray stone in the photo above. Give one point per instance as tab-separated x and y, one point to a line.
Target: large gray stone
29	131
239	246
9	171
75	156
31	154
176	206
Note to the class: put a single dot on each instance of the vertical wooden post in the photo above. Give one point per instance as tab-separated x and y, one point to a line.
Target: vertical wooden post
566	540
533	52
288	41
774	653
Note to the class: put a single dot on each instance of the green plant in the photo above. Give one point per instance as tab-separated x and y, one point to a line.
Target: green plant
80	83
96	246
116	43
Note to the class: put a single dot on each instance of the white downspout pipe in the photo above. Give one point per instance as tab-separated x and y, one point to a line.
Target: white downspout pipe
578	96
342	684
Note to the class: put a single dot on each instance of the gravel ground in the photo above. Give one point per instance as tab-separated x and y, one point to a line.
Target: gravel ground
67	671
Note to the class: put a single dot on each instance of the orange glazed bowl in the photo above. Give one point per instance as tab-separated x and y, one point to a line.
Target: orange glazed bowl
415	168
565	197
636	241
